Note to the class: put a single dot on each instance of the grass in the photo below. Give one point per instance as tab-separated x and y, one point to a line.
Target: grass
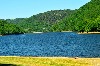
48	61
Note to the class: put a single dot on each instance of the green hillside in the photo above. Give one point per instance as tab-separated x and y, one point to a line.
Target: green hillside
85	19
41	22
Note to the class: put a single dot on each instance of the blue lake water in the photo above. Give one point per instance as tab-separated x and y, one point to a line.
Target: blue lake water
66	44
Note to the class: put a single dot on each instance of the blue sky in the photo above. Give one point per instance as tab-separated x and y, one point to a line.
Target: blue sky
26	8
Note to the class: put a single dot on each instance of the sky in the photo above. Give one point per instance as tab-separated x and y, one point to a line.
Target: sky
11	9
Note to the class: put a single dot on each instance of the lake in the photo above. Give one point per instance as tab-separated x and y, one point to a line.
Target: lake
59	44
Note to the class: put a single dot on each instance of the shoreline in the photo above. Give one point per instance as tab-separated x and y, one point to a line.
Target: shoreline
38	32
1	35
49	57
64	31
89	33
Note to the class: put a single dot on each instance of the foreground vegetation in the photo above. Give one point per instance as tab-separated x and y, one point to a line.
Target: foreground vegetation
50	61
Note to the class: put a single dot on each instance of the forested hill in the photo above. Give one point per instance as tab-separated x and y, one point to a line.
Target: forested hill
86	18
9	28
52	16
42	21
49	16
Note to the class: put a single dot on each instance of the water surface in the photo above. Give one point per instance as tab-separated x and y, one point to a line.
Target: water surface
66	44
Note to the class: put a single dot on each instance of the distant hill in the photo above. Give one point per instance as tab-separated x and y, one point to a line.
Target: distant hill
86	18
42	21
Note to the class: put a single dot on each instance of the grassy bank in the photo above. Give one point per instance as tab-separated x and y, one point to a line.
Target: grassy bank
50	61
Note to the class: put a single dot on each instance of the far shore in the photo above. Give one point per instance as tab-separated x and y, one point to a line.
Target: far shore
37	32
1	35
89	33
84	32
67	31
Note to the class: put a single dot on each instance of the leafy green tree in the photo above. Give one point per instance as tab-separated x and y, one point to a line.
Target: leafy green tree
9	28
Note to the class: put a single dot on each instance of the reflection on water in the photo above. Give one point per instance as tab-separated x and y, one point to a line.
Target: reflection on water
68	44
